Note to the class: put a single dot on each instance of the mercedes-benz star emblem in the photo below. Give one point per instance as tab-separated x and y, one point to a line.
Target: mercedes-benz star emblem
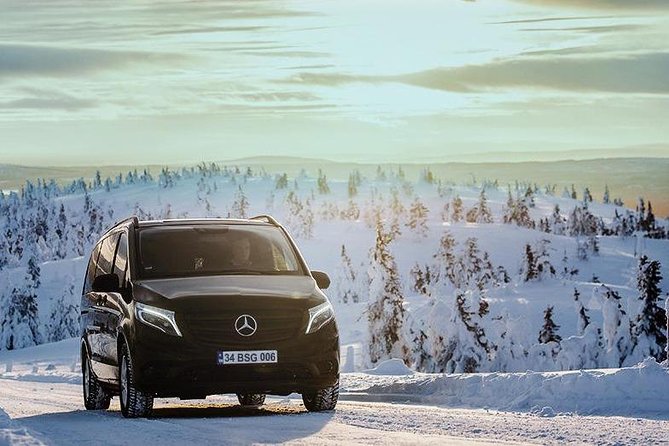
246	325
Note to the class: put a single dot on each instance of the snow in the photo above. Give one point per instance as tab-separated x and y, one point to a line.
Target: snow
45	407
394	366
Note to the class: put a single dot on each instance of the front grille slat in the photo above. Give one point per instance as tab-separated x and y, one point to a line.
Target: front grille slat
218	330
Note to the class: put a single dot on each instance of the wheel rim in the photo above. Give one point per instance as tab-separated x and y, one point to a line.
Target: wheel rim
124	380
87	379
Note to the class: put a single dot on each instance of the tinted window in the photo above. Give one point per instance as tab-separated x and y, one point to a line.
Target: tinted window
180	251
107	250
121	259
90	271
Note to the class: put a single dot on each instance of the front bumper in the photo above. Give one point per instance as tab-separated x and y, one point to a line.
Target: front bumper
170	366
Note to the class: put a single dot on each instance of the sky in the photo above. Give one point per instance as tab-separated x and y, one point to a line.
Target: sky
169	82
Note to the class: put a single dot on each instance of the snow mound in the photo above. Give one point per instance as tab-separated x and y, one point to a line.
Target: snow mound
392	366
629	391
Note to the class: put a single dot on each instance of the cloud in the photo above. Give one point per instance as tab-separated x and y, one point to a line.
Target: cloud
604	4
634	73
640	73
55	61
45	99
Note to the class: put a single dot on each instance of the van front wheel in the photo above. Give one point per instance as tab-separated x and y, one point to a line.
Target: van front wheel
134	402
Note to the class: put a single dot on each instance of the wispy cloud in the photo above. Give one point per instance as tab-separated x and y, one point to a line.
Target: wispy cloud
40	99
604	4
634	73
60	61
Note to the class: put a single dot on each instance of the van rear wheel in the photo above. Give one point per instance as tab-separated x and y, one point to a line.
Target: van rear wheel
95	397
251	399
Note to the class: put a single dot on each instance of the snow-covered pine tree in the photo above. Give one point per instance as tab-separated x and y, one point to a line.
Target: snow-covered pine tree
650	323
606	199
323	187
549	329
64	318
352	186
281	181
347	288
583	318
240	205
417	221
516	211
557	222
469	348
616	327
587	196
480	213
20	325
385	313
446	260
457	211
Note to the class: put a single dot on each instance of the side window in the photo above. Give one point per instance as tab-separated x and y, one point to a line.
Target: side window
121	259
90	271
107	250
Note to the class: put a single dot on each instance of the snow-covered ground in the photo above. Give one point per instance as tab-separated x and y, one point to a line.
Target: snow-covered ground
40	403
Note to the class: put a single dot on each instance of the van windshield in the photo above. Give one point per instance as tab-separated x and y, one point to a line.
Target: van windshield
207	250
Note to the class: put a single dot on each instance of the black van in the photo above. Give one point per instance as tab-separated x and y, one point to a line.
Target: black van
195	307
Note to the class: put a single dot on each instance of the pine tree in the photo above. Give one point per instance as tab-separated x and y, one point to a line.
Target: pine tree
480	213
64	317
583	318
471	348
20	325
322	182
616	327
650	323
418	218
386	312
587	196
347	283
549	330
445	256
240	206
352	186
456	209
281	181
606	199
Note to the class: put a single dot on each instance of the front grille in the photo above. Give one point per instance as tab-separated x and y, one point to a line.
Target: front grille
218	329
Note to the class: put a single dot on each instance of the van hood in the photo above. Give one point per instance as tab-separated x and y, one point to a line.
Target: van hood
297	287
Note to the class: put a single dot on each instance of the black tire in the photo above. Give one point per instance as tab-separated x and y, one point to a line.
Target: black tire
134	402
95	397
251	399
323	399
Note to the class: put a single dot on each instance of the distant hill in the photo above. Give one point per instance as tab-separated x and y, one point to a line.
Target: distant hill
627	178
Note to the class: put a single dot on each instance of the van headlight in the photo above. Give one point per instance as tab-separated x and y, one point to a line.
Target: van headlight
158	318
319	316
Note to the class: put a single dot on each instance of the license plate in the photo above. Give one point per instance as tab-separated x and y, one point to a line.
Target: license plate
248	357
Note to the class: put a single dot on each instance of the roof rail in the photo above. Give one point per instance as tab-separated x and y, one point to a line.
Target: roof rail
267	218
134	220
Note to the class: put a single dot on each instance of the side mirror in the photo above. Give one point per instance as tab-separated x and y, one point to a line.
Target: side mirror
322	279
106	283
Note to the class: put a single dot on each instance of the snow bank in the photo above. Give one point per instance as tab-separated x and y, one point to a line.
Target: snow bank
390	367
641	389
12	434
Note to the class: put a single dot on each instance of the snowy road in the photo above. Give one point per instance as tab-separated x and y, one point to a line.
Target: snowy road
52	413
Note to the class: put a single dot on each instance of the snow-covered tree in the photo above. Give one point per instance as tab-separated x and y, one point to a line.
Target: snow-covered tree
650	323
385	313
348	286
323	187
240	206
64	318
20	323
616	328
417	221
457	211
480	213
